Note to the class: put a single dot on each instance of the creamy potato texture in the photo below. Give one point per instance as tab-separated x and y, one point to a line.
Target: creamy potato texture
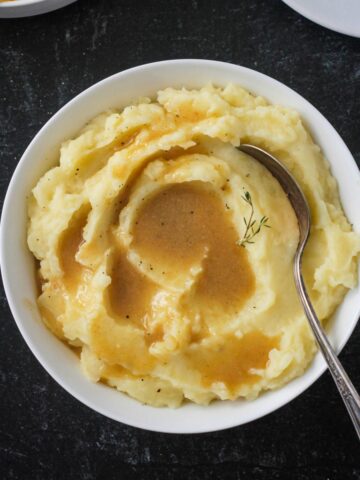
138	231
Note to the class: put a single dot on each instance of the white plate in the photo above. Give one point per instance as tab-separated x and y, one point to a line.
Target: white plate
17	263
343	16
28	8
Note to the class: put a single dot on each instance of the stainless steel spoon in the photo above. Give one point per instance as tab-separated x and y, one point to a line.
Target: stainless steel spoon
302	211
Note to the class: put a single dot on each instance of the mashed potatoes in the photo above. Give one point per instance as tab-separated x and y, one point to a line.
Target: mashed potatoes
143	265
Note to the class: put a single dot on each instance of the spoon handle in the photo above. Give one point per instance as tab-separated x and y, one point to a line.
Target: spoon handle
346	388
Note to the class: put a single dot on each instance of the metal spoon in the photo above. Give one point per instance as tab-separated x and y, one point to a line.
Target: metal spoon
302	211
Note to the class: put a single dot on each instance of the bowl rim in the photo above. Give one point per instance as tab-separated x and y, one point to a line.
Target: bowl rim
314	16
321	367
21	3
29	8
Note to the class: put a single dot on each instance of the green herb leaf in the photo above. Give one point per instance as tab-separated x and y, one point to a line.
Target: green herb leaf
253	227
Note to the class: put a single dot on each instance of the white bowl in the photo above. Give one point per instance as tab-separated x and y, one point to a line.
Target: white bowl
342	17
18	264
28	8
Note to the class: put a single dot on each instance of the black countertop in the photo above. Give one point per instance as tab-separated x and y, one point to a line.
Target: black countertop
47	60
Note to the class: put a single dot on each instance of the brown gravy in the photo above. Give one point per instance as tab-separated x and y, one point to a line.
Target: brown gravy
186	224
182	225
68	247
232	361
130	291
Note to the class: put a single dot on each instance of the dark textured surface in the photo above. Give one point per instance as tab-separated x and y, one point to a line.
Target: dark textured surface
44	62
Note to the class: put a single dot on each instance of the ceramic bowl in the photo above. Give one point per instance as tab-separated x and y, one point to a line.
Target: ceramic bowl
28	8
17	262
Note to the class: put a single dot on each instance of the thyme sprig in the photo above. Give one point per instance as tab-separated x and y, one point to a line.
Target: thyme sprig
253	227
